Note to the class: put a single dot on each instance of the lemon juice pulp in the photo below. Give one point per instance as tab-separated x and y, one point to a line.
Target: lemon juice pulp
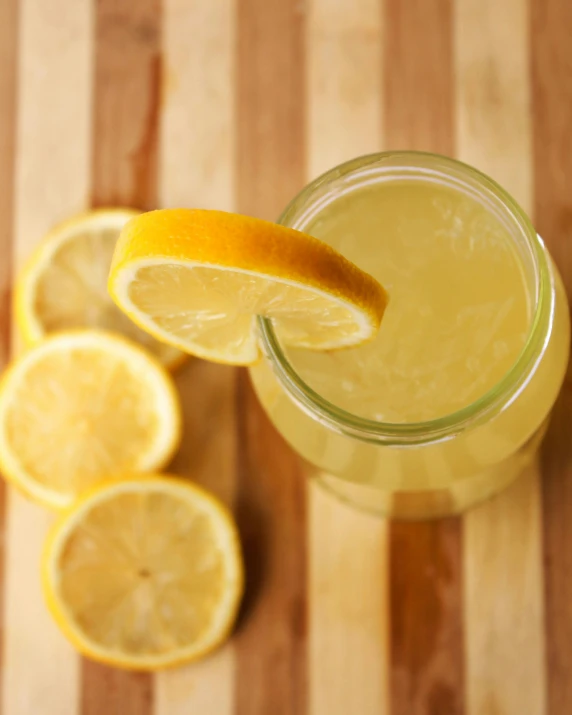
459	309
464	290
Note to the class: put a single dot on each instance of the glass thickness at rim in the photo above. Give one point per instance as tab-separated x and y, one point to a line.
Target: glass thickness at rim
500	395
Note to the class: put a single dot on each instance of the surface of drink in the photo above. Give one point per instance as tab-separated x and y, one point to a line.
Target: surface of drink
459	309
465	300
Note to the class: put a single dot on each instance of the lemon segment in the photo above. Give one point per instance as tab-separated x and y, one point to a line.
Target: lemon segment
81	406
144	574
197	279
63	286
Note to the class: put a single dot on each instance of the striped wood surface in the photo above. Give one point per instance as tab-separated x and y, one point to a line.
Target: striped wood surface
236	104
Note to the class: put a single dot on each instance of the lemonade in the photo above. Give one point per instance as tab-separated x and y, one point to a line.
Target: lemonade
459	310
447	404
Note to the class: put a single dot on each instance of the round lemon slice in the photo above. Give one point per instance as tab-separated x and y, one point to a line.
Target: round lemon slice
144	574
80	407
197	279
64	284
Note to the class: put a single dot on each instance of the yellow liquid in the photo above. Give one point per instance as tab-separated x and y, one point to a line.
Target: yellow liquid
459	309
461	303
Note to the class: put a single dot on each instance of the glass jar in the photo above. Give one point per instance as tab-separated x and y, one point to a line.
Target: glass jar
444	465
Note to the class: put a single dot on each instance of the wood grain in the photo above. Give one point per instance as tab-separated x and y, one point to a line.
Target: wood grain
349	645
344	48
197	128
108	690
347	598
504	636
270	90
235	104
493	118
127	90
196	168
271	511
8	89
426	618
427	674
54	71
550	29
271	491
127	86
418	83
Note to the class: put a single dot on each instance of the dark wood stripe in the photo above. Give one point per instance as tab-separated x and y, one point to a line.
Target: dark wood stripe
426	664
419	81
550	33
8	82
108	691
126	116
271	513
208	448
271	492
270	105
8	79
126	102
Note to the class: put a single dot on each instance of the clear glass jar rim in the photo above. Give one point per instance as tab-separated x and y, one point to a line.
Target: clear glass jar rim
492	402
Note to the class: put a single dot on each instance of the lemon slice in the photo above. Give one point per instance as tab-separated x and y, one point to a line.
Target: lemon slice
82	406
144	574
64	284
197	280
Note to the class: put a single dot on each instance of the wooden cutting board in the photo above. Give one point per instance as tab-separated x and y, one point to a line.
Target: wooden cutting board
235	104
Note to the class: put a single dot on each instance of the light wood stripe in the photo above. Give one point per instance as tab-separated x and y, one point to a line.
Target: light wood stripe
425	558
504	605
344	69
550	31
196	168
493	92
348	626
53	127
502	560
127	87
348	609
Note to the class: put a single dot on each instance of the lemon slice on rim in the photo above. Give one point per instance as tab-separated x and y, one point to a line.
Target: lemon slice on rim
64	283
197	279
83	406
144	574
